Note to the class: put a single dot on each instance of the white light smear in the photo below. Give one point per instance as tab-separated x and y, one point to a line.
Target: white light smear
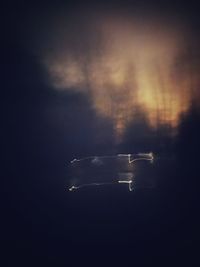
124	174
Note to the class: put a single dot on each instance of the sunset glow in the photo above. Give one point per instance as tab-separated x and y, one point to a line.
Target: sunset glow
126	65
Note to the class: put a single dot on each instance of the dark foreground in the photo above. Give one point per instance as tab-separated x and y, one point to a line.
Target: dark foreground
49	225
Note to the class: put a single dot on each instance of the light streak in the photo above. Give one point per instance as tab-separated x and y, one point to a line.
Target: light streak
84	185
128	175
130	184
144	156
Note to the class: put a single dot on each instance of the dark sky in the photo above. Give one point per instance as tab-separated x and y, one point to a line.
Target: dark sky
44	128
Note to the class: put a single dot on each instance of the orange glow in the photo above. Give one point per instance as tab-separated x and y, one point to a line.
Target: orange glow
132	66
